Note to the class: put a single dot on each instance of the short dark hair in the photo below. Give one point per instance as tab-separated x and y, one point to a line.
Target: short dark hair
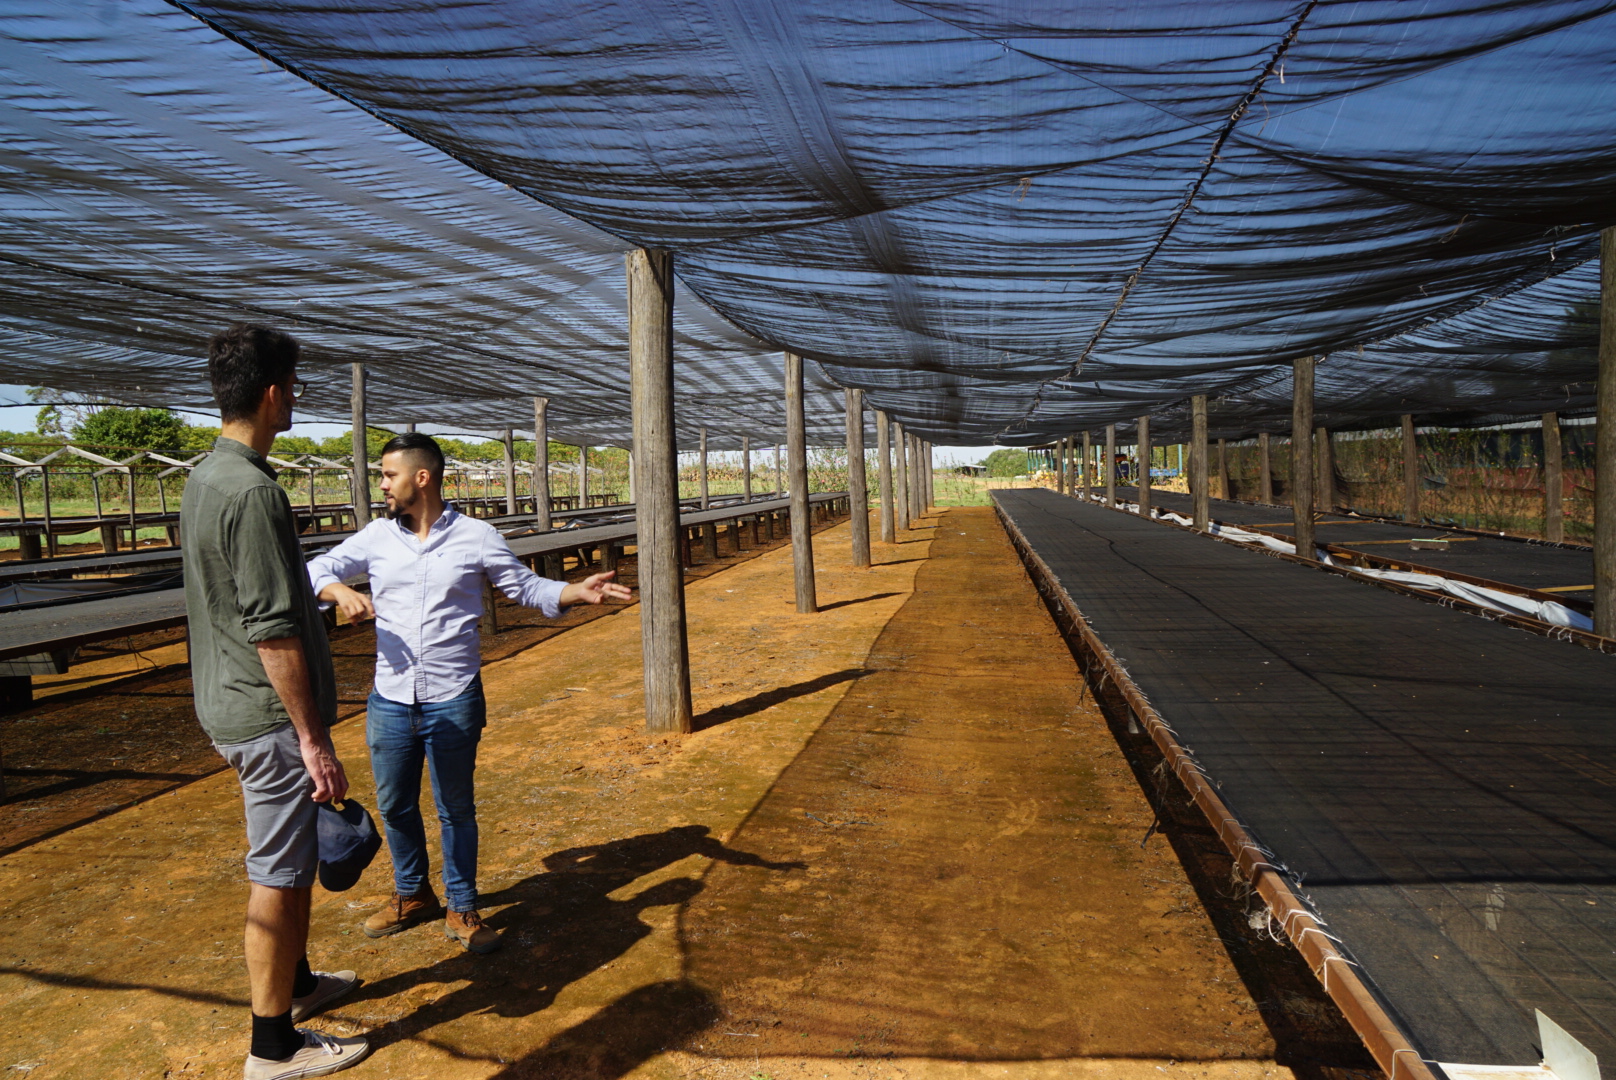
413	442
245	361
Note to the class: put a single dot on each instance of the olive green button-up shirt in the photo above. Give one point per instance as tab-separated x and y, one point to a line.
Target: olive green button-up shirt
245	582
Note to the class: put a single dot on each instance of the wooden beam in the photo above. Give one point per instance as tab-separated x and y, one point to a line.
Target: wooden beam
1553	480
1144	466
1411	471
1265	469
706	503
1605	444
1198	464
883	442
802	526
900	496
541	463
858	496
1110	471
1302	455
656	491
508	438
360	474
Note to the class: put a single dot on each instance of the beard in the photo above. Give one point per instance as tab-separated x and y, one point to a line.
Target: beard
397	508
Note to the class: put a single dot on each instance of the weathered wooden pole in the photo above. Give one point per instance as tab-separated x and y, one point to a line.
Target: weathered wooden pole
1265	469
1088	467
1061	485
883	443
1144	466
1553	480
361	452
508	438
779	477
858	495
917	482
541	463
1110	465
583	477
656	491
900	498
931	474
706	502
1324	491
1411	471
1302	455
746	468
1223	470
802	528
1605	444
1198	471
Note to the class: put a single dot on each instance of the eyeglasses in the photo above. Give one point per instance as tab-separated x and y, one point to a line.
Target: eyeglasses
298	388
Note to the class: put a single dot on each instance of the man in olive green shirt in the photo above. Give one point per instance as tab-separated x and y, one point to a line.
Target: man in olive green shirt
265	692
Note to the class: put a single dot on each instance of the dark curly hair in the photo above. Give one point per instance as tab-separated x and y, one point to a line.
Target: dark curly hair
246	360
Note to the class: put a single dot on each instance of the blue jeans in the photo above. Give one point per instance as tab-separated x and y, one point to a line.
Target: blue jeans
445	735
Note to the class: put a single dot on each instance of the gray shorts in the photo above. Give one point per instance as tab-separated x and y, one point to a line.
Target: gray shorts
283	848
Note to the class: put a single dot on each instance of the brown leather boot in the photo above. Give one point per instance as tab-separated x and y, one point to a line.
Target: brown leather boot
467	928
403	912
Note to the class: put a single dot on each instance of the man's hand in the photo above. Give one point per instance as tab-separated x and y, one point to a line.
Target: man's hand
320	759
594	589
353	604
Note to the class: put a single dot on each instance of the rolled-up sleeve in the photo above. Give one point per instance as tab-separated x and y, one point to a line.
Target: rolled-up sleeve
267	578
348	558
516	581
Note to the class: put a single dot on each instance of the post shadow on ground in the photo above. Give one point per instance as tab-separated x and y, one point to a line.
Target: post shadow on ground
770	698
857	600
560	926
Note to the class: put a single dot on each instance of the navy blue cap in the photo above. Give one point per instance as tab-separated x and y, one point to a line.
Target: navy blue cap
348	841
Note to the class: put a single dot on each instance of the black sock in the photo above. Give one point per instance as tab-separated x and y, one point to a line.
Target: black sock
304	982
274	1038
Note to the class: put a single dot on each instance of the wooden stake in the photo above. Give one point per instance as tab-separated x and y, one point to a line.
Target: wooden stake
1144	466
1553	480
706	503
656	491
360	475
1265	470
858	495
1110	465
900	497
1605	444
509	439
1302	455
802	527
883	442
1411	471
541	463
1198	471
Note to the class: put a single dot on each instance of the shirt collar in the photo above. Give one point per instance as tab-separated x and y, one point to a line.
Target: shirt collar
241	449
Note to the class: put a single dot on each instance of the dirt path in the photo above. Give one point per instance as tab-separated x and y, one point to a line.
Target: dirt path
901	844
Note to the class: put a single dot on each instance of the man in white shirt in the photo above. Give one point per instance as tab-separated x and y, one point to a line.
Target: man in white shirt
427	564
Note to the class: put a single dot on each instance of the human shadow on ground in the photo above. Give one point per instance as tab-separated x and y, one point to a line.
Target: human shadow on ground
857	600
619	1038
559	926
769	698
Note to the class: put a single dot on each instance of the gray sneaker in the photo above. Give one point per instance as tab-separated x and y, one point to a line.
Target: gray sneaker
333	984
321	1055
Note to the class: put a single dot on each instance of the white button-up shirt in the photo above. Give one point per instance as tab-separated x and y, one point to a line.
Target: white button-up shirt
429	597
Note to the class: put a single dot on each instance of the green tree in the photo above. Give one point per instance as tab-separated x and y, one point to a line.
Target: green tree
120	429
1006	461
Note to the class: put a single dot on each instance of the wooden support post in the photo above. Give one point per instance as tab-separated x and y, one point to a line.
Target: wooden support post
858	495
735	534
1144	466
1110	464
1265	469
1088	466
779	477
746	469
709	540
1411	471
583	477
900	494
508	437
360	476
1324	494
911	448
609	555
541	463
109	538
49	515
656	491
1553	480
1060	466
1199	482
883	443
706	502
1223	470
802	527
28	545
1605	444
1302	455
